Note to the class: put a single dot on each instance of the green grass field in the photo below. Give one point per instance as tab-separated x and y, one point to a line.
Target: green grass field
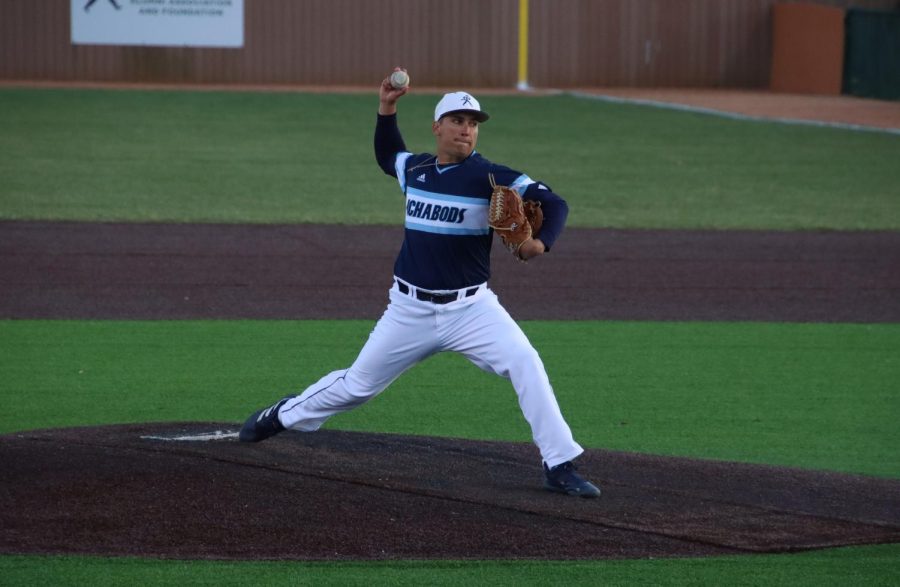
254	157
871	566
807	395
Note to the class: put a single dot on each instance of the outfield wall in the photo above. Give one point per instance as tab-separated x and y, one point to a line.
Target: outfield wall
471	43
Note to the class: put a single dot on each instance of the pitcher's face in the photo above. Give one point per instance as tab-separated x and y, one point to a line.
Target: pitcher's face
456	134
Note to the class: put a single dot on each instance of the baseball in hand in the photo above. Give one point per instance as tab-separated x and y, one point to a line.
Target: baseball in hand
399	80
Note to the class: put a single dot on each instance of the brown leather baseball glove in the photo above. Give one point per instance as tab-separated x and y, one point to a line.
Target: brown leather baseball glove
534	215
506	216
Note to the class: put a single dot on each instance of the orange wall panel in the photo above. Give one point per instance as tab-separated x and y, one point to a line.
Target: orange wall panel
807	49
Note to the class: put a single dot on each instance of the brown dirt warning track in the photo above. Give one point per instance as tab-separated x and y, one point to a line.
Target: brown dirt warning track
190	490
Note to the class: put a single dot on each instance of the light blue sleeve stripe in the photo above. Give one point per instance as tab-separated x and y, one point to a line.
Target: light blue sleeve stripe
447	198
400	168
521	184
446	230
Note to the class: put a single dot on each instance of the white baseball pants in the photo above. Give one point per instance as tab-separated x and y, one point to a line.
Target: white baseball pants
412	330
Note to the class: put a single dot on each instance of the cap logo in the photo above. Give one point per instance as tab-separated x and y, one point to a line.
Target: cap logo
466	100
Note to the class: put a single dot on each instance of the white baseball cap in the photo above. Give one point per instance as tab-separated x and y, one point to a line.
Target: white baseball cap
459	102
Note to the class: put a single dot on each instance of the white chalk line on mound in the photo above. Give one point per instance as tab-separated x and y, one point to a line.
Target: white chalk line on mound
201	437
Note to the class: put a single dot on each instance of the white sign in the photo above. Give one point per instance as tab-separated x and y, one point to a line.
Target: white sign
165	23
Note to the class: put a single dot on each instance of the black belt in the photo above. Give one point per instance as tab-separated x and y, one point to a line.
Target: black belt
436	298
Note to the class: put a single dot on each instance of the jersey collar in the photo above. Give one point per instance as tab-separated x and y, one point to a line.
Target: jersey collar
444	168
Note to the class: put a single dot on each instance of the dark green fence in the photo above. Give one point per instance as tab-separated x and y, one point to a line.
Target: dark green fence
872	54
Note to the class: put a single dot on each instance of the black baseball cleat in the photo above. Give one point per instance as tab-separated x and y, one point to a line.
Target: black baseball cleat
563	479
263	423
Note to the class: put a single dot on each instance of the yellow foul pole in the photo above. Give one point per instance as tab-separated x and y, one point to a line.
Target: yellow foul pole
523	45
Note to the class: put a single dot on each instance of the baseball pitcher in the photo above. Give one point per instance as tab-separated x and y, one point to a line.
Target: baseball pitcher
439	300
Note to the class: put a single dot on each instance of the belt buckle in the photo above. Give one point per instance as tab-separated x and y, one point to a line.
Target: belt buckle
439	299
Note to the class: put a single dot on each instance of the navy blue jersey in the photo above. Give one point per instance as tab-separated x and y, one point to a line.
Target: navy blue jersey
447	240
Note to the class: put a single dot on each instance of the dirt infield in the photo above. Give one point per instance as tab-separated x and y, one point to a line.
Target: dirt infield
124	271
158	490
334	495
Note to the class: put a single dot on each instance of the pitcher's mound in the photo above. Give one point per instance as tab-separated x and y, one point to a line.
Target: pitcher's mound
193	491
